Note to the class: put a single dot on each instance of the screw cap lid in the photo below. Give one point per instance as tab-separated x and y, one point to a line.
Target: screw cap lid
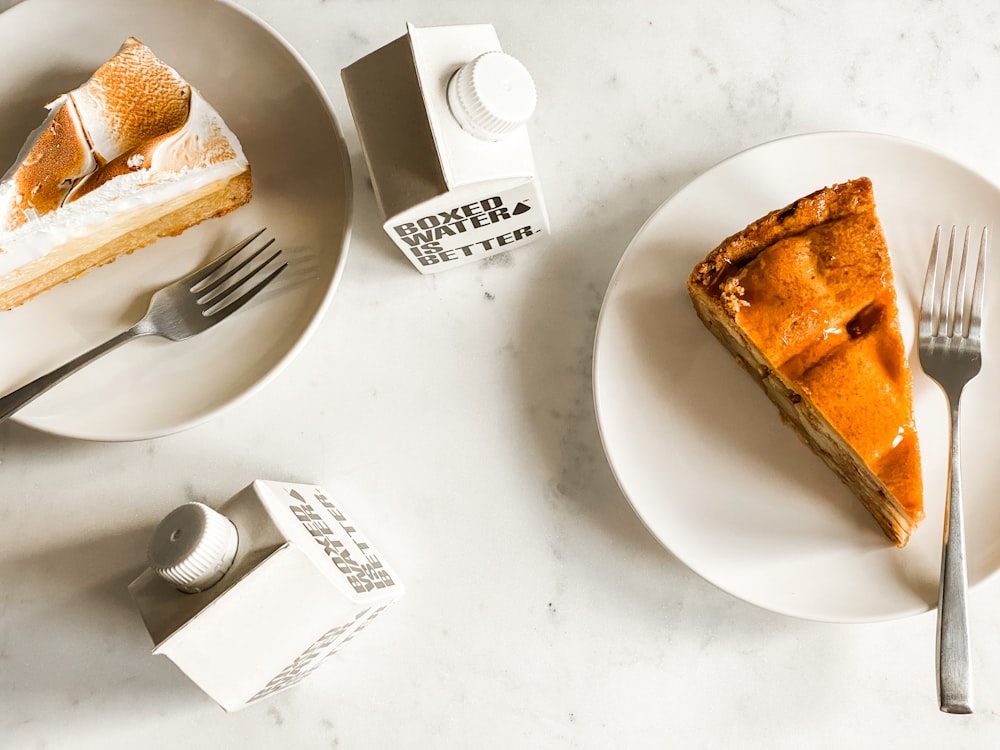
193	547
492	96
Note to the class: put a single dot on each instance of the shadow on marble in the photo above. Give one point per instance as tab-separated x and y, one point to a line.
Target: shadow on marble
75	635
17	439
556	339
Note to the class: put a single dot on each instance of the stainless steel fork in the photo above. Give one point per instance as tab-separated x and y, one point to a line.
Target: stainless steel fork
191	305
951	353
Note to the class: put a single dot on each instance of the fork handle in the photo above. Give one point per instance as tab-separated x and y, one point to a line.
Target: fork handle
27	393
954	661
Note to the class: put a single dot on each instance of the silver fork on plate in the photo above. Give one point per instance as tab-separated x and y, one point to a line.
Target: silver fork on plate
191	305
951	353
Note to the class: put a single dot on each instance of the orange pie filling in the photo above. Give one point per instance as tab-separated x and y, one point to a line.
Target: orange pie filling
821	307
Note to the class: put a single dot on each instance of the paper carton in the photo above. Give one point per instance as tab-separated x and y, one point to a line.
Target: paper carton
448	197
305	581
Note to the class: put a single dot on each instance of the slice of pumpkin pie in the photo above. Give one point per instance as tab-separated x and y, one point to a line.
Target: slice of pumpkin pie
804	299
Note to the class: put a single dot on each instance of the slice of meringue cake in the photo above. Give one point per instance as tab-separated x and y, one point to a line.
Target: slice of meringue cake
132	155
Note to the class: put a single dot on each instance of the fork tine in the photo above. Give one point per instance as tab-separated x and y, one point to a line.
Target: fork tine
944	298
218	292
976	314
927	327
205	271
229	307
957	322
206	286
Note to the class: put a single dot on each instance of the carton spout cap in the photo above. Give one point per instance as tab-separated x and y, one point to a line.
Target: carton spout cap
492	96
193	547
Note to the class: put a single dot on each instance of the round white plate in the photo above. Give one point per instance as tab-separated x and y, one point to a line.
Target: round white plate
302	194
701	453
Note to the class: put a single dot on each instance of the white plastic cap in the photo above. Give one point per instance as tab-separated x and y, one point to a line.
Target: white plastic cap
193	547
492	96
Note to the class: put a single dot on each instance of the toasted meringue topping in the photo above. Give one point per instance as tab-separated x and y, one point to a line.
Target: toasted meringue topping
134	124
131	99
59	159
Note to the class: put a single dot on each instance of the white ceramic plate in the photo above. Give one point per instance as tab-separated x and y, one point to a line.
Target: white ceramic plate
701	453
302	193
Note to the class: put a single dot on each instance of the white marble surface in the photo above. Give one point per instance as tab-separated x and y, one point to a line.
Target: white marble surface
454	415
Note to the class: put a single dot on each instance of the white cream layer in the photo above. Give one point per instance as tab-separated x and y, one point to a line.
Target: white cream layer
40	236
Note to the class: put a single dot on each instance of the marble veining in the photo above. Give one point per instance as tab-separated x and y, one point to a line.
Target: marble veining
454	415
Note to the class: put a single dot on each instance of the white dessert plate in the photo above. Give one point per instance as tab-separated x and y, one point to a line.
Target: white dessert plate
302	194
701	453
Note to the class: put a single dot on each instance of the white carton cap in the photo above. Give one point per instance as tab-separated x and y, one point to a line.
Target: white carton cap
193	547
492	96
